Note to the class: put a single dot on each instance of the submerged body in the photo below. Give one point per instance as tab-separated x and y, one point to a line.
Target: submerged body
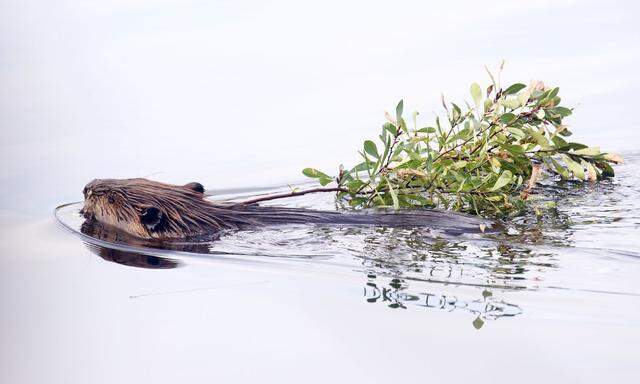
152	210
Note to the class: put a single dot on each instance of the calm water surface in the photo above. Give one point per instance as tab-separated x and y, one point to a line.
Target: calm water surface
246	94
314	303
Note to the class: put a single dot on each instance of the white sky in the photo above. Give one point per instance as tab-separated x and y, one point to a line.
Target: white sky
244	93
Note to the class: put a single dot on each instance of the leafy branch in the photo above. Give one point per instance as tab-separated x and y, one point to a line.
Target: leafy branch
486	158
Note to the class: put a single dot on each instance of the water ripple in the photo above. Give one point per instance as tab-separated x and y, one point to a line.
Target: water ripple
594	229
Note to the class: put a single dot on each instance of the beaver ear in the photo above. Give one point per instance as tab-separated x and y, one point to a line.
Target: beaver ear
152	218
195	187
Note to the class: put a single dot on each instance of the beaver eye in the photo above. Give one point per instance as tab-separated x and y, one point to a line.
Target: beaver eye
152	217
110	199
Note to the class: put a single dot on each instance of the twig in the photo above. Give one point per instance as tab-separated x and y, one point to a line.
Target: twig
289	194
536	171
463	143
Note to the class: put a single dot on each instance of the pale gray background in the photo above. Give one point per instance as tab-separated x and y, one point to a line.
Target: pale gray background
237	93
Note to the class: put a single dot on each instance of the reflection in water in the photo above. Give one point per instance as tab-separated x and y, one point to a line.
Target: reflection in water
410	267
484	262
400	265
484	308
132	259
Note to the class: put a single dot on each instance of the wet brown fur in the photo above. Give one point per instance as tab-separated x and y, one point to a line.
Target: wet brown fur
152	210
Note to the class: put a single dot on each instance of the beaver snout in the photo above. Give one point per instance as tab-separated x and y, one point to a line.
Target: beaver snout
86	211
86	214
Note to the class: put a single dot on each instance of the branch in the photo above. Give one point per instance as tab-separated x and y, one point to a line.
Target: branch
464	142
536	171
289	194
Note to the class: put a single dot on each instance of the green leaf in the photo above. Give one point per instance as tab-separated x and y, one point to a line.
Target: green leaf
456	111
476	94
370	170
523	98
575	168
517	133
359	168
478	323
371	149
355	185
399	108
315	174
508	118
490	76
562	111
574	146
403	125
357	201
505	178
390	127
495	164
540	139
487	104
394	196
560	170
460	164
426	130
515	88
589	151
324	181
513	149
607	170
558	141
511	103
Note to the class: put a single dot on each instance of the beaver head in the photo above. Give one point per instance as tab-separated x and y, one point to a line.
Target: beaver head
150	209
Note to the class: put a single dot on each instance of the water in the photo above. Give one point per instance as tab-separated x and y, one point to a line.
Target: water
555	298
347	303
244	95
587	245
560	291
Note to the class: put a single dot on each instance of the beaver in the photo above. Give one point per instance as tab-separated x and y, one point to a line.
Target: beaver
150	209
